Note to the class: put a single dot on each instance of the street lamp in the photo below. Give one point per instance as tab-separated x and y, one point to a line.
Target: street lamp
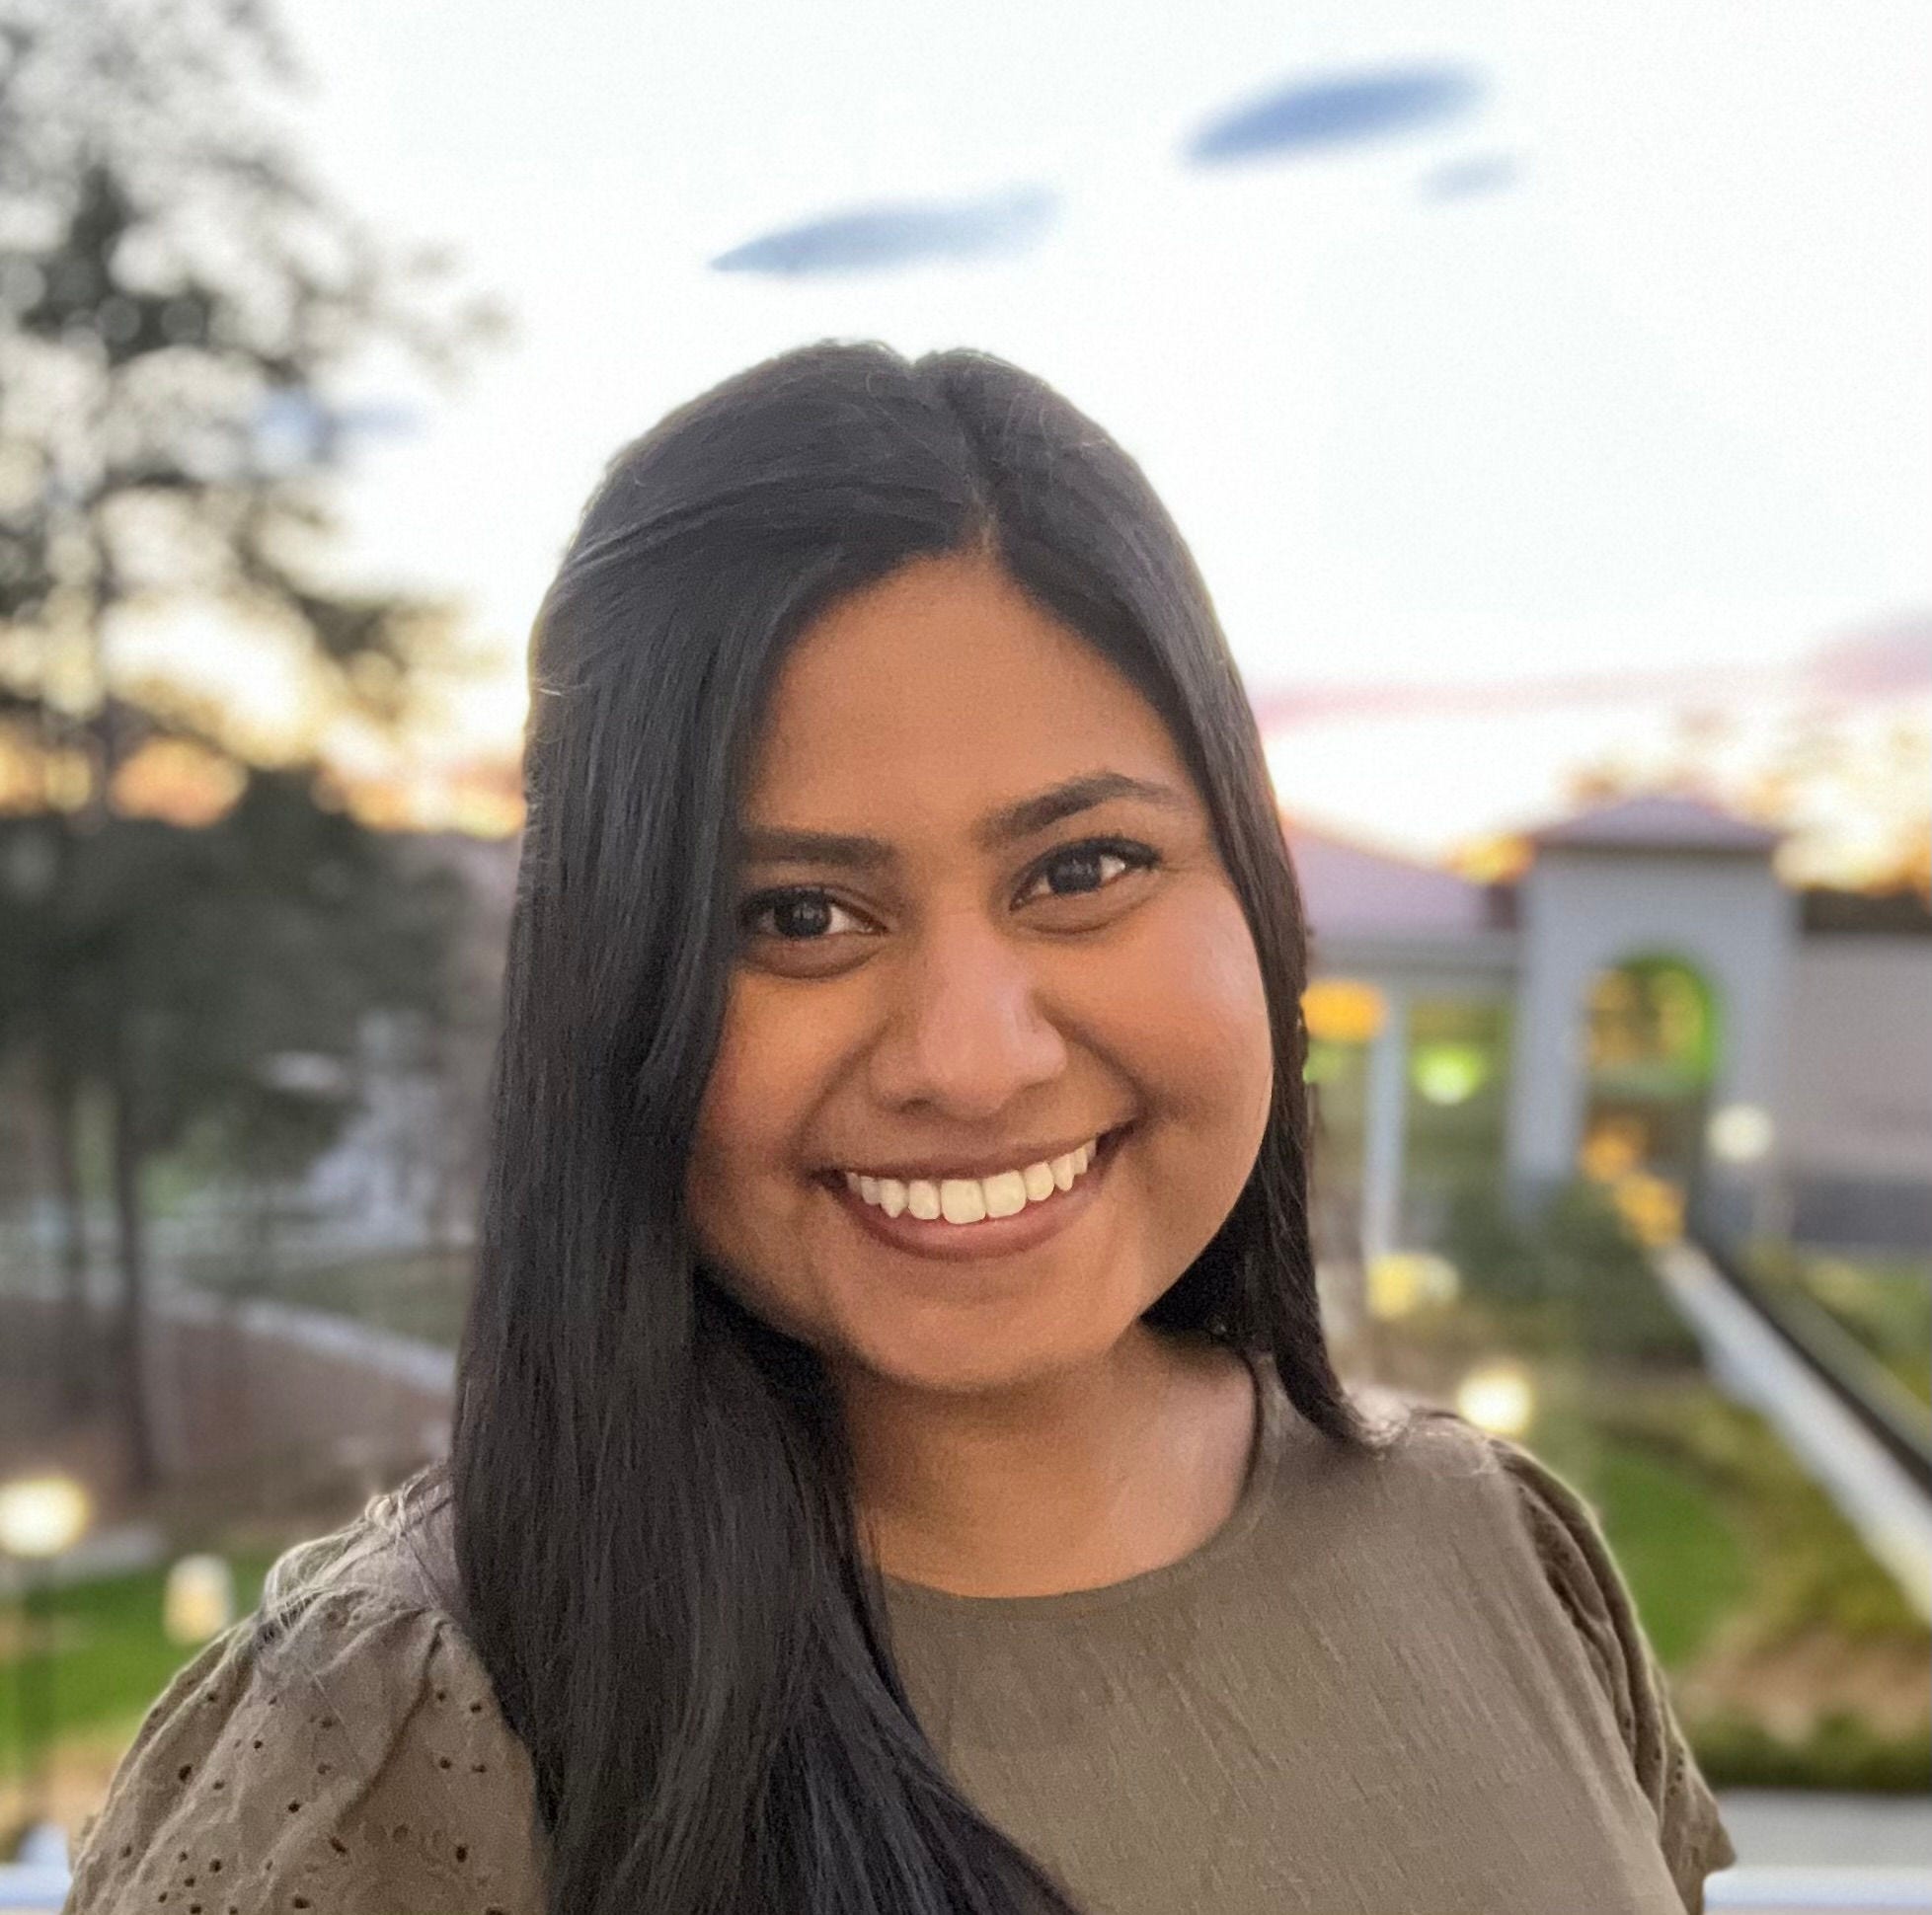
41	1518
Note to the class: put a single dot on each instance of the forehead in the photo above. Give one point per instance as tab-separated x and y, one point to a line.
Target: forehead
934	694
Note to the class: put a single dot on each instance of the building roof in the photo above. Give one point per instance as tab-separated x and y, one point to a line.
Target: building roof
1656	821
1349	888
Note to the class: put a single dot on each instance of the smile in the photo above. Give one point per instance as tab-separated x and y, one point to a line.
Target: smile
972	1200
968	1217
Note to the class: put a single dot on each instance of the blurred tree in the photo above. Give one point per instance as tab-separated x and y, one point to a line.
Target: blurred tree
190	926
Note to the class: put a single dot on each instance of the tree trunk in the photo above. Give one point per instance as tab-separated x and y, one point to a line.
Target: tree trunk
131	1245
77	1380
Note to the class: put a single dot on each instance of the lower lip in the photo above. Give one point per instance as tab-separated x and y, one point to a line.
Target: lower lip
991	1236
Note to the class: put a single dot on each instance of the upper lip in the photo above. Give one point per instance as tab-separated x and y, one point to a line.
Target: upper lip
966	1164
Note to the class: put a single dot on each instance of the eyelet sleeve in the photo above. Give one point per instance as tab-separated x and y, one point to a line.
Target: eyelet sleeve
352	1762
1586	1581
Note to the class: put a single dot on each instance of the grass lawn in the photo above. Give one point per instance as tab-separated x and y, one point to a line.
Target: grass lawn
1679	1546
111	1656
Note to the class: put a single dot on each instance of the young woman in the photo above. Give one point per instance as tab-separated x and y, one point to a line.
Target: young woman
897	1470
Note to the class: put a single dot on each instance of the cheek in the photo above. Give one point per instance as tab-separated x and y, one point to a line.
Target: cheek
743	1166
1190	1019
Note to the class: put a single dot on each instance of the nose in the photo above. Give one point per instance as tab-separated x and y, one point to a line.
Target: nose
964	1034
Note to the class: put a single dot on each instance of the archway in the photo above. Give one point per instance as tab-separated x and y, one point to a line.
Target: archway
1654	1057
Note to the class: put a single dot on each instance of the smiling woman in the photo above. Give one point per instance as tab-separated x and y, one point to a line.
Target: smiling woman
897	1464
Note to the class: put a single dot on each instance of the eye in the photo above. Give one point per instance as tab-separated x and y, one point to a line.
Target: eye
803	916
1091	865
798	916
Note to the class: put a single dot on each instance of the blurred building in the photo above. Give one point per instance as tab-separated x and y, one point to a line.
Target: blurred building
1647	997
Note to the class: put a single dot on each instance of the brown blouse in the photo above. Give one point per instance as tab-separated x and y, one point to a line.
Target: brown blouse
1398	1684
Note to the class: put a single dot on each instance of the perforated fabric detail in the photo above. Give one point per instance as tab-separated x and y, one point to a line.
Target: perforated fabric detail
358	1765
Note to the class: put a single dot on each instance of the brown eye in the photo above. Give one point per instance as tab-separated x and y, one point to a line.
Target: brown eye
1091	866
794	917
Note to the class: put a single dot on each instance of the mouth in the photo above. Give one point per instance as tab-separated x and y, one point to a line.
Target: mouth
987	1235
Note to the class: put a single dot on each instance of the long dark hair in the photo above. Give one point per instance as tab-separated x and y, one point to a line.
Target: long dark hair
656	1557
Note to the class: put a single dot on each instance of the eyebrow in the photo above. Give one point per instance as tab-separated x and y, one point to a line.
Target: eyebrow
1022	818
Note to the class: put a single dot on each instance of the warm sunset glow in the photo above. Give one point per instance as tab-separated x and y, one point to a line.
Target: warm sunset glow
176	782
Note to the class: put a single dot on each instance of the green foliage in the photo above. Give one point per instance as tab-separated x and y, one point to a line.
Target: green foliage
1884	1302
183	316
187	965
1677	1541
1809	1570
180	309
111	1656
1570	1275
1736	1558
1621	1311
1842	1752
1495	1251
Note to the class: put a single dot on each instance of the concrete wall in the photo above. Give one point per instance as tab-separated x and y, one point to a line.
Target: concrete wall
1858	1108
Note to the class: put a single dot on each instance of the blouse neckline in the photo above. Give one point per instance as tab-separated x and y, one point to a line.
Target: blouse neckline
1272	1413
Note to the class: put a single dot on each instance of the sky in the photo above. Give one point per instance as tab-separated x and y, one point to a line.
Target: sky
1619	364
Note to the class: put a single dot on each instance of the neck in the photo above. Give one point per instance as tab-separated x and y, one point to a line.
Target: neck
1070	1482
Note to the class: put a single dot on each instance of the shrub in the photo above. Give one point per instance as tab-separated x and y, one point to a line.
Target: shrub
1841	1754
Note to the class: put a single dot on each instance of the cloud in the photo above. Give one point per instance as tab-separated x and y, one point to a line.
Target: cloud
1477	173
1339	109
900	233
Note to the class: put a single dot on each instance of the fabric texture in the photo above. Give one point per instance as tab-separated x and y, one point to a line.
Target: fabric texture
1404	1683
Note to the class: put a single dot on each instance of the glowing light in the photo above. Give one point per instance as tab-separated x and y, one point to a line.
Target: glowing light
1613	1149
42	1515
1499	1398
199	1599
1343	1010
1450	1073
1740	1133
1653	1207
1405	1281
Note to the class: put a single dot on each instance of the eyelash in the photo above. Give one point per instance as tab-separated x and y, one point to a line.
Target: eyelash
1136	857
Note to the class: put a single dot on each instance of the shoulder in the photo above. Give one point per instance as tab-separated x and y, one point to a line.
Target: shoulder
1510	1513
1429	1459
341	1752
1521	1531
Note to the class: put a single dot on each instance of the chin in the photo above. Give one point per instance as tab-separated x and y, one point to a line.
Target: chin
945	1361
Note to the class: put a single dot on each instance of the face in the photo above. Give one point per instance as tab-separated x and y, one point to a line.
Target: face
983	922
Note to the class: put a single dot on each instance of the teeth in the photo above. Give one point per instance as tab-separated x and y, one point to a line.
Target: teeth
970	1199
963	1199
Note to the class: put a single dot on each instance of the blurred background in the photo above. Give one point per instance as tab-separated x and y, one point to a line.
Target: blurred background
1546	392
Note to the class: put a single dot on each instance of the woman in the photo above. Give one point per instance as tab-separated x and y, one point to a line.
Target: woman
897	1464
